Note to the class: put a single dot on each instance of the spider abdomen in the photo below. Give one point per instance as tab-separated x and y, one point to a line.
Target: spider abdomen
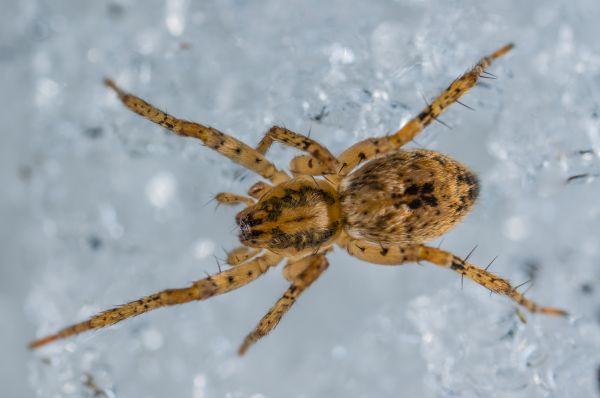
408	197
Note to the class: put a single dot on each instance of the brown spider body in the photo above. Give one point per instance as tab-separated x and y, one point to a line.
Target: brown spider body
294	218
382	212
407	198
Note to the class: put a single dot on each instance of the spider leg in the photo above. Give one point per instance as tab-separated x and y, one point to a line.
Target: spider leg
318	152
294	268
318	264
308	165
225	144
376	147
228	198
259	189
395	255
220	283
240	255
377	253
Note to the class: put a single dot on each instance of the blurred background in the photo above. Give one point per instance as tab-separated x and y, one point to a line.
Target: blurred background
99	206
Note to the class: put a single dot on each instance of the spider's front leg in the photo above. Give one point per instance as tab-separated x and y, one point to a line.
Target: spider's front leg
375	147
315	267
396	255
225	144
220	283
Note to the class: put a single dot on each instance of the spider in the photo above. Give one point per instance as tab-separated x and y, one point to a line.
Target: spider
383	212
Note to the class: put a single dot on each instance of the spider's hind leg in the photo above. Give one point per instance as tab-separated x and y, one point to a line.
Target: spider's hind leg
481	276
396	255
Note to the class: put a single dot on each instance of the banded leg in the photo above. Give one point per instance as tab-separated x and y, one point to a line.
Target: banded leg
220	283
317	152
293	269
378	254
225	144
307	165
375	147
395	255
240	255
259	189
317	265
228	198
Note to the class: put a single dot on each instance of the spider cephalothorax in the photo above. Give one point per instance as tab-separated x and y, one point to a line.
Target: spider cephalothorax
293	219
383	212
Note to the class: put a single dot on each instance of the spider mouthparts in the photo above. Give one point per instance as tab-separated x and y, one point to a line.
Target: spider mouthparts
238	218
244	231
241	219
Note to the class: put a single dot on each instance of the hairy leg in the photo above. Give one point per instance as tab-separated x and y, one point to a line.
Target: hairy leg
375	147
395	255
318	152
259	189
225	144
294	268
240	255
220	283
307	165
318	264
228	198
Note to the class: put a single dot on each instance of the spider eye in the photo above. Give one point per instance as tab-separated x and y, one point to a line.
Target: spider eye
247	220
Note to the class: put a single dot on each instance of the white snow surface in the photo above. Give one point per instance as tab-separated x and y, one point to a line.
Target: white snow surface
100	207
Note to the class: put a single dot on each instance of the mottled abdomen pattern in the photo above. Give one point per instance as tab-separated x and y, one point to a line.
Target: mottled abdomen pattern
408	197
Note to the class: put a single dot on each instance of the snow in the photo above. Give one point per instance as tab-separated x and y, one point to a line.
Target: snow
101	207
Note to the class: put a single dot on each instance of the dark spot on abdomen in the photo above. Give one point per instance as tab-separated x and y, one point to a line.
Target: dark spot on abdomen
430	200
412	190
427	188
415	204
